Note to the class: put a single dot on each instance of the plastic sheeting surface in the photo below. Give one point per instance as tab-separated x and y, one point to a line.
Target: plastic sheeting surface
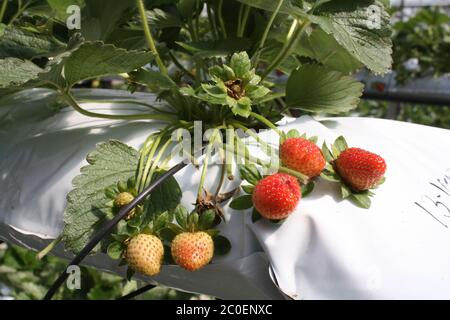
327	249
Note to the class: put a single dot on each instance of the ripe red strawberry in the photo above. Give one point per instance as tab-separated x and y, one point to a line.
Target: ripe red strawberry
276	196
303	156
144	254
360	169
192	250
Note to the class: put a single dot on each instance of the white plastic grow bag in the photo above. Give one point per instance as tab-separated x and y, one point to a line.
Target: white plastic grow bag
326	249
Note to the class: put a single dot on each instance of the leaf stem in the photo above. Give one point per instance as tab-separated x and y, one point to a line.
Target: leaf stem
220	16
265	121
254	136
139	103
212	22
71	100
205	163
149	37
286	50
266	32
41	254
3	10
243	23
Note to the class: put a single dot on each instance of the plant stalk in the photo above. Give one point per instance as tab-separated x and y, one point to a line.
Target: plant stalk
149	37
3	10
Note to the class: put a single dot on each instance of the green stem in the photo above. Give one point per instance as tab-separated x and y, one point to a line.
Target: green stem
205	163
20	10
254	136
149	37
272	96
41	254
287	47
265	121
156	161
139	103
149	162
222	23
243	23
71	100
3	10
143	155
266	32
299	175
212	22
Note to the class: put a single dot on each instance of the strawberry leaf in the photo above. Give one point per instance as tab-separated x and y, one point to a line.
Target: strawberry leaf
250	173
307	189
161	221
115	250
255	215
86	208
362	200
221	245
167	234
242	203
330	176
206	219
327	153
181	216
345	191
340	145
248	189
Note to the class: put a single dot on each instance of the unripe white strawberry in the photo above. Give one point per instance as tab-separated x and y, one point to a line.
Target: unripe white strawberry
144	254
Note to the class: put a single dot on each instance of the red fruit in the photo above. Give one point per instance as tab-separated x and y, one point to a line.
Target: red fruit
360	169
276	196
303	156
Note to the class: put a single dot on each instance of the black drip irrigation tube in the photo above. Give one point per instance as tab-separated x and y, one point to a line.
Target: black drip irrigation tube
108	227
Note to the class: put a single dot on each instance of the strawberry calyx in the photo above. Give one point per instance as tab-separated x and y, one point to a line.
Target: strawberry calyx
361	198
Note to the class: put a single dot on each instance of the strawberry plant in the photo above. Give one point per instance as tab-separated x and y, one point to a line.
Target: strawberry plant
229	64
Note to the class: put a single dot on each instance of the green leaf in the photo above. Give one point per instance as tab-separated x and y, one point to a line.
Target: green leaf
293	133
318	89
327	153
181	215
213	232
242	203
186	7
361	200
255	215
161	19
115	250
206	219
340	144
156	81
240	63
130	273
167	234
307	189
16	72
361	27
59	8
100	19
250	173
175	228
193	221
24	44
345	191
243	107
95	59
270	5
86	211
161	221
325	49
165	198
330	176
216	48
248	189
119	237
314	139
221	245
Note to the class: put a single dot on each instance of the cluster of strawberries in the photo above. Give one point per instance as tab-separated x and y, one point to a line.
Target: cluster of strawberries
276	196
